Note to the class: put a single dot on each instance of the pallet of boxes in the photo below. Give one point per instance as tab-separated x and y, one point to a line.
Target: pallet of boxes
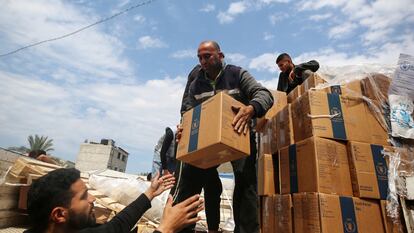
321	166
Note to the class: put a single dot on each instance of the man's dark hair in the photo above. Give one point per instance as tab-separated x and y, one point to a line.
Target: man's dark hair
282	56
50	191
35	153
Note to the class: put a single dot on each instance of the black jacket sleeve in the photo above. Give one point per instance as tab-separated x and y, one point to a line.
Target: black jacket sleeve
186	98
310	65
125	220
259	97
168	138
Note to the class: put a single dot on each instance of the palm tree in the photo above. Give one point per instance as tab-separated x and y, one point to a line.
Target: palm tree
40	143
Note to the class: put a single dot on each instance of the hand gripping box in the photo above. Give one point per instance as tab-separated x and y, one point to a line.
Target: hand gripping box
279	102
208	138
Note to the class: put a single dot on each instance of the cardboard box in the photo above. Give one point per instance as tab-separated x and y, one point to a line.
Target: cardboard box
334	116
294	94
276	214
279	102
390	226
267	211
268	175
352	88
283	213
315	165
267	140
325	213
377	126
313	81
208	138
376	87
284	127
369	170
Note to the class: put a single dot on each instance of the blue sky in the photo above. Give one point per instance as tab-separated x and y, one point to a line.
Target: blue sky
124	79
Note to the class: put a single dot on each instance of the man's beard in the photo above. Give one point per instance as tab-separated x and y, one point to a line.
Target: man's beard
218	65
78	221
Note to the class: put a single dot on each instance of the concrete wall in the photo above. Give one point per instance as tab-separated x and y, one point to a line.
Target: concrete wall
93	157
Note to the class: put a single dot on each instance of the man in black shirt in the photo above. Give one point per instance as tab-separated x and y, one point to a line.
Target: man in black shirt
292	75
60	202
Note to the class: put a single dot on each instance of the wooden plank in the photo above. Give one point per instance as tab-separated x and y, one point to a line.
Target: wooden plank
32	177
8	202
5	189
38	163
409	186
22	168
13	220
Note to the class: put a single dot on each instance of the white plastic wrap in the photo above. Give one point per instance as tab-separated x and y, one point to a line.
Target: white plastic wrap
127	190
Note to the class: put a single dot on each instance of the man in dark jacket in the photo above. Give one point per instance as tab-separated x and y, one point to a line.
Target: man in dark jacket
60	202
213	76
292	75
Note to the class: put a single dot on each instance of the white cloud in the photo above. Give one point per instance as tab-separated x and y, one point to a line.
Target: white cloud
92	53
277	17
264	62
378	19
318	4
139	18
342	30
388	53
273	1
70	114
208	8
320	17
187	53
234	9
236	58
123	3
379	35
268	36
146	42
271	83
240	7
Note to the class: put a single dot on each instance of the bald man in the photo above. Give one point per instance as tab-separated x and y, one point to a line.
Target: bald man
211	76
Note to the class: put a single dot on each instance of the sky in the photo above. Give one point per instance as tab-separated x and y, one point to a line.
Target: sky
124	79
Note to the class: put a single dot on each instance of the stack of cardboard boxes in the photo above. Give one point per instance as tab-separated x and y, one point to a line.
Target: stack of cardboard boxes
321	167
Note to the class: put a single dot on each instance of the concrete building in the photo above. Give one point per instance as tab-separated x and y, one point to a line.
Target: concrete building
99	156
